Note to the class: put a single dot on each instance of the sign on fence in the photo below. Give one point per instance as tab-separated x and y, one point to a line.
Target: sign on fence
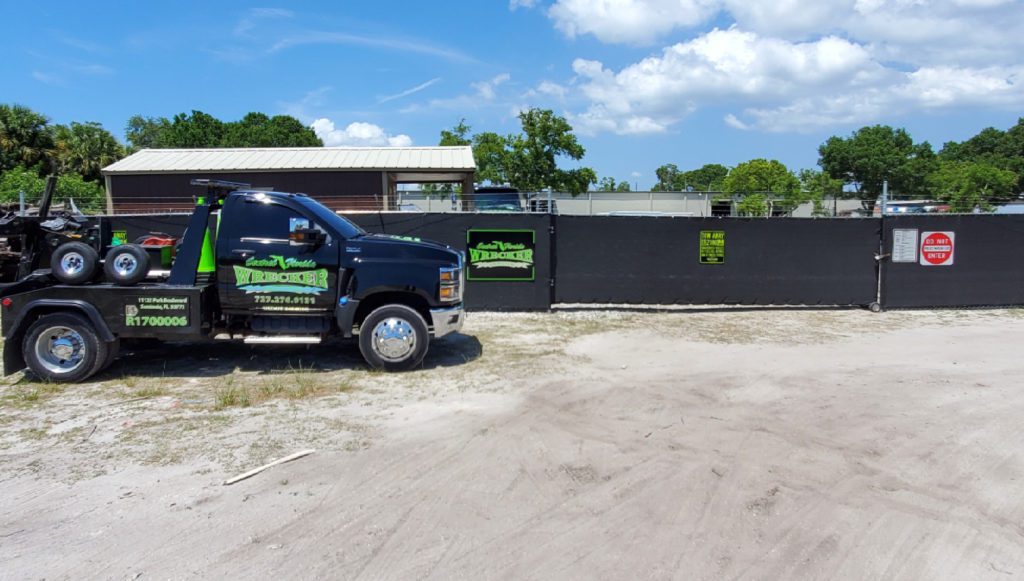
937	248
506	255
904	245
712	246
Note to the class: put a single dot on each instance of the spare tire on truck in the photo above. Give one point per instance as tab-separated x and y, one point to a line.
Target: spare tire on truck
74	263
126	265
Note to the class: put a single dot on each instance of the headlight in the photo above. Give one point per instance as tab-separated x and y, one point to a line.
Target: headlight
451	285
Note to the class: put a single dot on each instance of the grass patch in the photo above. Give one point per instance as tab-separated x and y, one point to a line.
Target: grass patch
291	383
26	393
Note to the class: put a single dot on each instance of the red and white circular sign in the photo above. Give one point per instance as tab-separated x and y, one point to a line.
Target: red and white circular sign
937	248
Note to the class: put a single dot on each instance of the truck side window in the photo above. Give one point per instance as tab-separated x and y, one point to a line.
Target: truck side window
270	221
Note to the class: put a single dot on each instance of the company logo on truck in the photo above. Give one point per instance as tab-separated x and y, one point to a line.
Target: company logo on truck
282	279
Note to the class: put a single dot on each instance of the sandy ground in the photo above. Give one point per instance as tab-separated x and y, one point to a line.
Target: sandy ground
705	444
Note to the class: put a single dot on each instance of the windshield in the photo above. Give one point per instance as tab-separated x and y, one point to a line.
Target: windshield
345	228
508	202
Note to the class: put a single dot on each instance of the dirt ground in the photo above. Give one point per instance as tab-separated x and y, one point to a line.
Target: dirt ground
699	444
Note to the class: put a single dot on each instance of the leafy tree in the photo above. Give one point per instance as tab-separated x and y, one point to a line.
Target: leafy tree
492	156
872	155
458	135
966	185
85	148
145	132
608	184
668	177
999	149
818	185
25	138
533	164
708	178
201	130
259	130
88	196
197	129
529	160
763	183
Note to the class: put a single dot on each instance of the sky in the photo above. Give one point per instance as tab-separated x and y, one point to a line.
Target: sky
643	82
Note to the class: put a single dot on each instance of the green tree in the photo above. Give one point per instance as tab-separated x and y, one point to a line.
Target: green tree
668	177
993	147
533	162
492	156
609	184
708	178
458	135
85	148
966	185
763	184
26	138
197	129
872	155
88	196
259	130
145	132
818	185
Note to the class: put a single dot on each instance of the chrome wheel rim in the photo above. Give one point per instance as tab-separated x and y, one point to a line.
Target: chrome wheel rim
394	339
60	350
125	264
72	263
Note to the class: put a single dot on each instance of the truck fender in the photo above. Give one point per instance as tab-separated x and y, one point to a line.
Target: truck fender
13	358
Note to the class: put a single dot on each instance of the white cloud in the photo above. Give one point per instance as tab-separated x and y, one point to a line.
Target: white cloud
357	134
723	65
628	21
516	4
485	89
484	92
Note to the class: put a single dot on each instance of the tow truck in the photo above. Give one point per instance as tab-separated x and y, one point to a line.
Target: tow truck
260	267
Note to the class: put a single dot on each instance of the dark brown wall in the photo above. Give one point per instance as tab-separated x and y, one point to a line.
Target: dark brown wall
339	190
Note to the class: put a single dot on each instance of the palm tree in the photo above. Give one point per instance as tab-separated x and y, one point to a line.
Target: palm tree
86	148
25	137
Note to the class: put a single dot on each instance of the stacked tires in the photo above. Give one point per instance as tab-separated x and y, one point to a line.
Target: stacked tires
77	263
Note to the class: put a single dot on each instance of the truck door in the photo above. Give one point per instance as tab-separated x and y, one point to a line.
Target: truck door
263	268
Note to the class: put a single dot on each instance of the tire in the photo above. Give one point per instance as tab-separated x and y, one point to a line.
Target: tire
74	263
113	349
394	338
64	348
126	265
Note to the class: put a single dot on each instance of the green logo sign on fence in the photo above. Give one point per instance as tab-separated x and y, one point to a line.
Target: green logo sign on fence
500	255
712	247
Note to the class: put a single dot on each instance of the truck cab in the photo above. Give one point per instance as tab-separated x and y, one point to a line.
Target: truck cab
254	266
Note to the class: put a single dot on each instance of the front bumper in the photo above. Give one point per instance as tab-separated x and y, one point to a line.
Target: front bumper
447	320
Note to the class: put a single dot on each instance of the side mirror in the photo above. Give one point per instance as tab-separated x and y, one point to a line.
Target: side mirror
307	236
300	232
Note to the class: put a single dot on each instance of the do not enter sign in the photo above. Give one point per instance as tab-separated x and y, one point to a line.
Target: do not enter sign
937	248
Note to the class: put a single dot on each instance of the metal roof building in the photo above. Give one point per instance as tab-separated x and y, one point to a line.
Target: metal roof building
348	178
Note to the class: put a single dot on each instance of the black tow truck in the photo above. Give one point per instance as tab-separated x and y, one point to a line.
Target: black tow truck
254	266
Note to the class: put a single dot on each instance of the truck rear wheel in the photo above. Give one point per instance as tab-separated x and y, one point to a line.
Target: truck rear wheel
394	338
74	263
63	347
126	265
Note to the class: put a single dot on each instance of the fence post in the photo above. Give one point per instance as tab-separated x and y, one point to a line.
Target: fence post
590	204
650	197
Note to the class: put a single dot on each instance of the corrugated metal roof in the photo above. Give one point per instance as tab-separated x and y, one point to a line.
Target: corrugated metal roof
296	158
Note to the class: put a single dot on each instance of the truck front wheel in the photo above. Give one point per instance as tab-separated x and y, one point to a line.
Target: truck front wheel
394	338
63	347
